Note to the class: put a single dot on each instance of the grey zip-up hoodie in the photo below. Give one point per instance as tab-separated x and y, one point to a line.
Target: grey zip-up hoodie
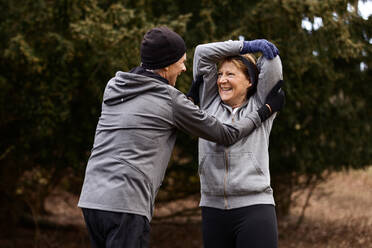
237	175
134	140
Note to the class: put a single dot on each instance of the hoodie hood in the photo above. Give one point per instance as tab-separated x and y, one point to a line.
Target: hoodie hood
127	85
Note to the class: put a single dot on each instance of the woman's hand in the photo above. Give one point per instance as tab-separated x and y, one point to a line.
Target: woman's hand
193	93
267	48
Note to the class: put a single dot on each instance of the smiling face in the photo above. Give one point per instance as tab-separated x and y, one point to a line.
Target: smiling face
174	70
233	84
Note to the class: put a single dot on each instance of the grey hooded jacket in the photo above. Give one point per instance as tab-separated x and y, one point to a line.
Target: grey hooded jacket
134	140
237	175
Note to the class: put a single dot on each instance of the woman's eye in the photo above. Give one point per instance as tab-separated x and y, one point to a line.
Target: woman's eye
219	74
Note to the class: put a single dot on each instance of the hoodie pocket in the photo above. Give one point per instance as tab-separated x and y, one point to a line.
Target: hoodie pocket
245	175
212	170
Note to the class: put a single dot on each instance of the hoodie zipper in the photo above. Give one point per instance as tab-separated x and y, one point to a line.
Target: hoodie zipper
225	179
227	169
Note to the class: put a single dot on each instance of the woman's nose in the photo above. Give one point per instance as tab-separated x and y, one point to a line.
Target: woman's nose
222	79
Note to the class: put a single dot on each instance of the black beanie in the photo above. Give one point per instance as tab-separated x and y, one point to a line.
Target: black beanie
161	47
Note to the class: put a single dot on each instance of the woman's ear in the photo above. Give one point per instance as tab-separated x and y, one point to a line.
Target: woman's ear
249	85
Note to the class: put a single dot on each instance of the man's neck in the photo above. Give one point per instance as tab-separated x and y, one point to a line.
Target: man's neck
160	72
149	73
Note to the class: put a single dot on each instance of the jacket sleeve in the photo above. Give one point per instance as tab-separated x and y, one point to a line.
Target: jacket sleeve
206	57
189	118
270	74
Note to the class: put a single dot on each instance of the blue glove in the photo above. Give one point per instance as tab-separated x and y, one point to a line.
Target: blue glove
194	90
268	49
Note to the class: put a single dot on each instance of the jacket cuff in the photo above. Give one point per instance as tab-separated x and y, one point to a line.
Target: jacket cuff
264	112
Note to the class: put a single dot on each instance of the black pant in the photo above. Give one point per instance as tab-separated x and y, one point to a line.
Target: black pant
249	227
112	230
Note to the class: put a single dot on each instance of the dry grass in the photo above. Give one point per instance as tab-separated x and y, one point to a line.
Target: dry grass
339	215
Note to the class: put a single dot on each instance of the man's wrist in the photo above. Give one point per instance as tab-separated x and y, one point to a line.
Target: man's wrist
264	112
271	111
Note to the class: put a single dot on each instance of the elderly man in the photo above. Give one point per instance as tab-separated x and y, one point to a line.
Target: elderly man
134	139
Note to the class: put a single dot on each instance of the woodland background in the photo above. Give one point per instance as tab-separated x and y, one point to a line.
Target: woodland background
57	56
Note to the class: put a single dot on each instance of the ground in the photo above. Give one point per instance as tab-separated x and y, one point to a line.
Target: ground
339	215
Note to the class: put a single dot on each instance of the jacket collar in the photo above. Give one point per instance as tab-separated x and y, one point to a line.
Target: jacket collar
148	73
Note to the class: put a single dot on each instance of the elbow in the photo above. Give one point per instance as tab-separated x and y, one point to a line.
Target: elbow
200	49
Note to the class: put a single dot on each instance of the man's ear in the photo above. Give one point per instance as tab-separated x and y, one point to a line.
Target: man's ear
166	68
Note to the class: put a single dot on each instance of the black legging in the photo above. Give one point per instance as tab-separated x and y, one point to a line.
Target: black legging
247	227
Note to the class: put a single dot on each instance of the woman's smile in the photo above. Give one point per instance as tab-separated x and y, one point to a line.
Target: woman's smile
232	84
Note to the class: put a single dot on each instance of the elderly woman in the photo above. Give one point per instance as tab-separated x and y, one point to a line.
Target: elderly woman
236	198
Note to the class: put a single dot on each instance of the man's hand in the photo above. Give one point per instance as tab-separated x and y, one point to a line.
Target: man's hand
275	102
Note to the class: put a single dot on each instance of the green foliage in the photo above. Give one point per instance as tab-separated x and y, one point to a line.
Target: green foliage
56	57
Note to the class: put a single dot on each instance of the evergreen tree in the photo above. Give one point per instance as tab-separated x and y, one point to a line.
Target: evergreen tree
57	56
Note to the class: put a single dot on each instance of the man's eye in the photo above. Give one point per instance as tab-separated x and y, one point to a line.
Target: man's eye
219	74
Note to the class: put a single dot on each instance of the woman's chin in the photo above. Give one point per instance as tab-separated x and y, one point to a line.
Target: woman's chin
225	97
226	100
